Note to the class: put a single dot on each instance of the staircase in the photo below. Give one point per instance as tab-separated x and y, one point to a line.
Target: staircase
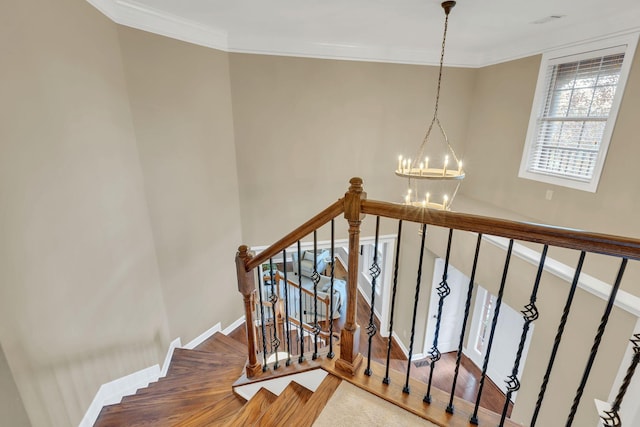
197	391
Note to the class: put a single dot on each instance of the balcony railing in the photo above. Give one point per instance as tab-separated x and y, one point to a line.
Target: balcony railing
552	392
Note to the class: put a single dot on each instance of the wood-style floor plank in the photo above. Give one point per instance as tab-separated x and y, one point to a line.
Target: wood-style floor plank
287	406
185	392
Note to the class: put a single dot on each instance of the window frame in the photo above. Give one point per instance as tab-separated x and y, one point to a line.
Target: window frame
628	45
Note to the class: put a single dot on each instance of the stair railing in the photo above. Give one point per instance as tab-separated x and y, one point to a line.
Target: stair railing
355	206
246	267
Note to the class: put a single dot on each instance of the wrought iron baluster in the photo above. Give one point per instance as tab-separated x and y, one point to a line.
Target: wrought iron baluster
386	379
300	313
375	272
467	309
263	328
443	292
530	314
287	325
333	270
273	299
596	343
611	418
558	338
315	277
406	388
494	323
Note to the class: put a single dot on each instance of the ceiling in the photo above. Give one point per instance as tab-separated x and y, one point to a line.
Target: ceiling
481	32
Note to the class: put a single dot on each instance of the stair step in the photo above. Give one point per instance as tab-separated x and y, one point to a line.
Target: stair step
318	400
184	358
254	409
198	380
182	392
287	407
220	341
216	413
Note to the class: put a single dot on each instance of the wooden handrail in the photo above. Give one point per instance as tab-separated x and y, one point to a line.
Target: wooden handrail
307	291
524	231
314	223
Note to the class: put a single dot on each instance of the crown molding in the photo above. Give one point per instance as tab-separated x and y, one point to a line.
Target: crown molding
353	52
136	15
142	17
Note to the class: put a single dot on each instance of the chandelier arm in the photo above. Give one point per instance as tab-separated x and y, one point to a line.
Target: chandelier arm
424	142
446	140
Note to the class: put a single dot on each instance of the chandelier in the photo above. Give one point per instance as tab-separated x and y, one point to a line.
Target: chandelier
438	171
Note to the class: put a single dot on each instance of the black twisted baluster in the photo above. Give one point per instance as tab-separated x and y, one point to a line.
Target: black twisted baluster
333	268
315	277
287	325
467	308
263	327
386	378
596	342
530	313
375	272
273	299
494	323
406	388
301	356
558	338
611	418
443	292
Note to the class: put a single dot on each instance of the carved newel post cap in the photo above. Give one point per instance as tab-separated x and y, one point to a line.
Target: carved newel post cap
243	251
356	185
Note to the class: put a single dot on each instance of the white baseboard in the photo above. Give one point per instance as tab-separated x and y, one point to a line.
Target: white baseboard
203	336
405	350
167	359
232	327
113	392
311	380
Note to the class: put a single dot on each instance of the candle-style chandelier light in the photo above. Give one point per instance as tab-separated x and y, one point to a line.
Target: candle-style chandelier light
434	174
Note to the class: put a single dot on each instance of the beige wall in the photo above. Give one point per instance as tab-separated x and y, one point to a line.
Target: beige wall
495	140
181	105
304	127
77	260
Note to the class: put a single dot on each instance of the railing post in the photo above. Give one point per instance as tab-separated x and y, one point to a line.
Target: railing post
350	357
247	286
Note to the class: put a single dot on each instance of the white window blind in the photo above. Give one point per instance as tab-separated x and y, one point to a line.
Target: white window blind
574	112
570	128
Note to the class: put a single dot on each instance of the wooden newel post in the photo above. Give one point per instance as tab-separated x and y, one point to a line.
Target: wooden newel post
350	357
247	287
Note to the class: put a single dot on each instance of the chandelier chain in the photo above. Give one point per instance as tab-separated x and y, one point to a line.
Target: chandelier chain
435	119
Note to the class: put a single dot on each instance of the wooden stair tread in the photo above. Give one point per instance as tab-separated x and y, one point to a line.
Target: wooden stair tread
318	401
284	410
196	381
215	413
161	396
254	409
219	341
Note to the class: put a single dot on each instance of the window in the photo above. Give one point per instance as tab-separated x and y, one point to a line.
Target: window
574	112
485	323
